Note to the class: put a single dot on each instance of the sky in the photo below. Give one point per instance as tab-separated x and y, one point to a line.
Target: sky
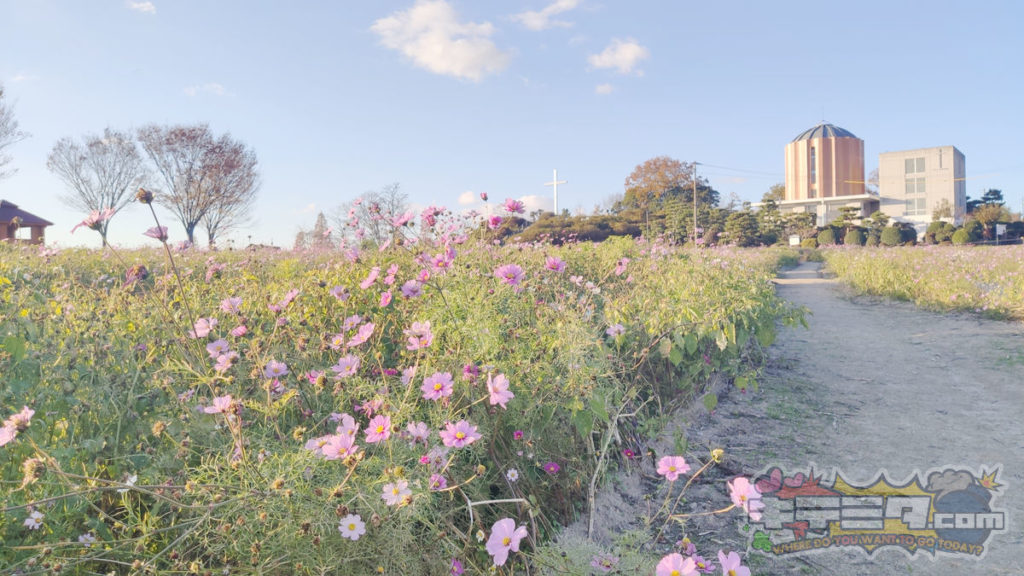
451	98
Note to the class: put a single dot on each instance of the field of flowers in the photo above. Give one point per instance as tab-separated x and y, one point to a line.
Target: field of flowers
987	280
438	405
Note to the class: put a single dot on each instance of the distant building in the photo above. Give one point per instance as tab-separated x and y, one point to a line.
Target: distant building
825	172
14	220
913	184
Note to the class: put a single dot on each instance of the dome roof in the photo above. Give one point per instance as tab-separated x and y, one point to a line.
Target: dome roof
824	131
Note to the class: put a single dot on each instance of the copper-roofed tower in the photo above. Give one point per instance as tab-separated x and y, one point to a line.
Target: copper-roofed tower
824	171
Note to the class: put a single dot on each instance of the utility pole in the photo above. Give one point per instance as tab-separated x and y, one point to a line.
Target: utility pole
695	164
555	182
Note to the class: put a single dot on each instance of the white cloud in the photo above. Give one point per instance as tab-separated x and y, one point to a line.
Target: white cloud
622	55
209	88
307	209
467	198
431	35
604	89
22	77
542	20
534	202
144	7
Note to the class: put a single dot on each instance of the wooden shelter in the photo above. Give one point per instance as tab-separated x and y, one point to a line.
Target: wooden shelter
13	218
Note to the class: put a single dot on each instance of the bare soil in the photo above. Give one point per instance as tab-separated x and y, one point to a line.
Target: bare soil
872	385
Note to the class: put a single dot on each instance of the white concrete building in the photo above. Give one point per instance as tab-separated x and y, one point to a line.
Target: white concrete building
914	183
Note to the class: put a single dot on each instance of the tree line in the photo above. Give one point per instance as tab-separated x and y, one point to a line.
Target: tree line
205	180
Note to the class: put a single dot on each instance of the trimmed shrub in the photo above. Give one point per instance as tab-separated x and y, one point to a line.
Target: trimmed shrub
809	243
890	236
826	237
974	230
908	234
961	237
872	239
854	237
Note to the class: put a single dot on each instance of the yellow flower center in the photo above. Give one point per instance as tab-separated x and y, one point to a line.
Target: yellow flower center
671	468
380	429
674	573
394	491
506	541
438	386
352	527
460	435
732	573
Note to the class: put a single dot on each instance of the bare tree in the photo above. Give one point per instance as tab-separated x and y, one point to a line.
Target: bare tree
102	172
235	182
9	134
373	213
202	174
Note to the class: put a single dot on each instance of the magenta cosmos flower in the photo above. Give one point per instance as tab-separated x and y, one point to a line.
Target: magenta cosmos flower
379	429
552	468
554	264
675	565
505	538
497	387
437	386
275	369
458	435
672	466
158	232
731	565
494	222
745	495
514	206
510	274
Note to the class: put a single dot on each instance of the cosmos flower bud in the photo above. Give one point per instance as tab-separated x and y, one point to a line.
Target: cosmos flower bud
144	196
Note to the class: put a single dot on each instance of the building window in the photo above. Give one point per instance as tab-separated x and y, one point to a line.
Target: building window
914	186
812	193
913	165
917	207
814	167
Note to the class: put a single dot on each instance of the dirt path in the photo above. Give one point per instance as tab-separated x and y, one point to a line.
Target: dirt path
877	385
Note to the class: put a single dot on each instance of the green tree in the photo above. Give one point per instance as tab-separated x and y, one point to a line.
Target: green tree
891	236
826	237
777	193
741	228
961	237
991	196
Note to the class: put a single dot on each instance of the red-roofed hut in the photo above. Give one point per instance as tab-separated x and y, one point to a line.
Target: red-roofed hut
13	218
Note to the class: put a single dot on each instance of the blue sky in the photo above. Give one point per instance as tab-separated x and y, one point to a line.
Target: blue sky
454	97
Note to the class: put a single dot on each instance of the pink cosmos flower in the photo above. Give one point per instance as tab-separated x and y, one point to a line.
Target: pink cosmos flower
337	342
348	426
411	289
497	387
362	335
620	266
417	432
95	219
239	331
675	565
339	447
385	298
745	495
517	435
352	527
346	366
18	422
217	347
703	566
350	323
437	386
459	435
396	492
672	466
275	369
483	196
158	232
505	538
604	562
316	445
408	374
202	327
221	405
437	482
34	520
731	565
231	305
494	222
402	219
510	274
339	293
554	264
370	278
615	330
419	335
379	429
514	206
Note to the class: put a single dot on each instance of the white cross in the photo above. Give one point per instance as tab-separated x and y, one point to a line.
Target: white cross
555	182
